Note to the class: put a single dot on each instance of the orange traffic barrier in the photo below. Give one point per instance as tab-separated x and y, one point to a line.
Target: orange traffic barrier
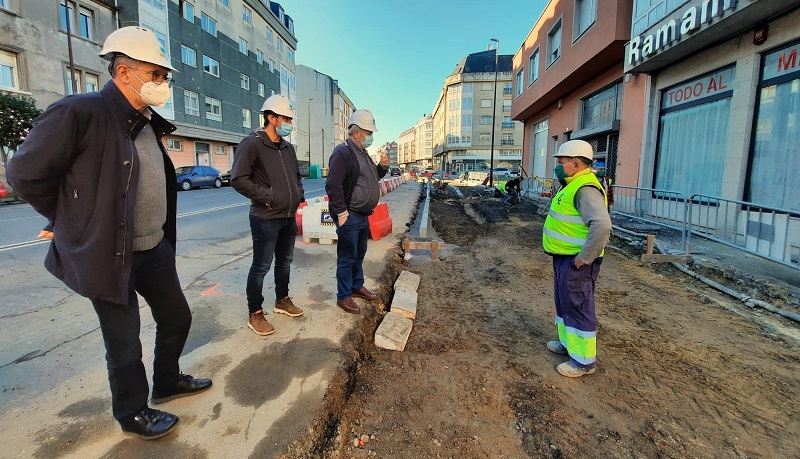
380	223
298	217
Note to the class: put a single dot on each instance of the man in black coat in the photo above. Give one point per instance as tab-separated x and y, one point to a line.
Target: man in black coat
94	165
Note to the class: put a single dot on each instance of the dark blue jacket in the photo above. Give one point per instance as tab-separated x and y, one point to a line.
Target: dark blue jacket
342	176
79	168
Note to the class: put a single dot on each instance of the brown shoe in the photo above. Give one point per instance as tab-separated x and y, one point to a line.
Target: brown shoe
285	306
348	305
364	293
259	324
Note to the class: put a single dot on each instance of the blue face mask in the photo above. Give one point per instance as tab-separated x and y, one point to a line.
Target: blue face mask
367	141
285	129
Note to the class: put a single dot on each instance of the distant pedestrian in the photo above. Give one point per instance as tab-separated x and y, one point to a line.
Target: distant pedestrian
353	190
266	171
576	232
95	166
513	189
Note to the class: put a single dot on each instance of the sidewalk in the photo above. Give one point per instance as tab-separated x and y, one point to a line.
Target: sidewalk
270	395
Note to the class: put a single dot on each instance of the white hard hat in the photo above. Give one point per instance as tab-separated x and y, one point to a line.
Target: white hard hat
363	118
136	43
278	104
575	149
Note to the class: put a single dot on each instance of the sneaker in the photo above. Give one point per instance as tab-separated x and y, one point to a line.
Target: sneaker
259	324
556	347
569	370
285	306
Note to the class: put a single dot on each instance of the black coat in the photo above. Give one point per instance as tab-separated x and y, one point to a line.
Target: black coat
79	168
343	175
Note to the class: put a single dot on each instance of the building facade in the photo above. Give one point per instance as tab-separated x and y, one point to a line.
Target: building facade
35	49
389	149
470	109
323	111
722	112
569	83
415	145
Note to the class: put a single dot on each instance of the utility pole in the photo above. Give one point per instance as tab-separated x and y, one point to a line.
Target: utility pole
322	143
309	136
68	16
494	110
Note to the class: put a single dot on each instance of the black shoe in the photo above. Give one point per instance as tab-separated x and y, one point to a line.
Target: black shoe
186	386
148	424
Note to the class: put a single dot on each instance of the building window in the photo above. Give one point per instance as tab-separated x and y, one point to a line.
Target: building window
92	82
649	12
219	149
693	134
86	23
81	25
247	15
261	89
259	56
507	88
9	75
208	24
507	106
88	82
213	109
520	81
507	123
191	103
280	46
243	46
290	54
772	175
188	12
188	56
585	15
174	144
271	65
210	66
534	67
484	137
226	3
5	4
554	43
486	120
269	35
602	107
507	139
486	103
246	118
245	82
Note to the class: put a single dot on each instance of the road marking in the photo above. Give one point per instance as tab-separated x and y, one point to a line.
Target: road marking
20	245
218	193
20	218
212	209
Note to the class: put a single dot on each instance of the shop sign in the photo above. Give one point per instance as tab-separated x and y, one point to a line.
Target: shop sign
782	62
698	89
701	14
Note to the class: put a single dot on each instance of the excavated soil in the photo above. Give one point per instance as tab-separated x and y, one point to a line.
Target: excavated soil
682	370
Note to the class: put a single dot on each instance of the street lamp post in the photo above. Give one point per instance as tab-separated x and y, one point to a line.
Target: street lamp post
309	136
494	110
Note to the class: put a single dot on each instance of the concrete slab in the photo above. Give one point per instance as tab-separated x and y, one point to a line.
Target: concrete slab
393	332
405	303
407	281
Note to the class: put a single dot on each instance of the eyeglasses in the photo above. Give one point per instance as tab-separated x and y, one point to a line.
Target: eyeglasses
158	77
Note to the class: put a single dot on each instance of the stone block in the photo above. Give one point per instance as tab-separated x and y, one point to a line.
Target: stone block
407	281
393	332
405	303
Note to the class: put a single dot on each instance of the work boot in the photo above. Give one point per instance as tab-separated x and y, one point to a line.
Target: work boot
148	424
186	386
363	292
348	305
569	370
285	306
556	347
259	324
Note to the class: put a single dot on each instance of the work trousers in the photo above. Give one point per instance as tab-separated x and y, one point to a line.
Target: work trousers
576	318
350	251
272	238
153	275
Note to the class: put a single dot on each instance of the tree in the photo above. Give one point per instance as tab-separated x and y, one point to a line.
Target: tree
17	114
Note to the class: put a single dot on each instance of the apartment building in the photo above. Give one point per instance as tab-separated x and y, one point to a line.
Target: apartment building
323	110
569	83
230	56
470	109
415	145
35	49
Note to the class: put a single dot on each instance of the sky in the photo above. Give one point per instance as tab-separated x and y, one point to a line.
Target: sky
392	56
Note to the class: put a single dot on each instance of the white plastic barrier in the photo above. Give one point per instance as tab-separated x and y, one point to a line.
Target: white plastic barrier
318	223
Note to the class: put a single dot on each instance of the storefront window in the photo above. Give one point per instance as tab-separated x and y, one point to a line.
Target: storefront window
774	167
693	134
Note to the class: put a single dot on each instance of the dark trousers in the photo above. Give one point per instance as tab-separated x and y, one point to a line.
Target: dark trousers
153	275
576	317
272	238
350	251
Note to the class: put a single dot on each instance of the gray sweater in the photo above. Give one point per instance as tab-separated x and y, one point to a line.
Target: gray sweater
150	210
590	203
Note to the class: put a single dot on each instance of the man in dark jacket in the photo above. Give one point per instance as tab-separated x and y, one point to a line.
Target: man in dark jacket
353	190
109	189
266	171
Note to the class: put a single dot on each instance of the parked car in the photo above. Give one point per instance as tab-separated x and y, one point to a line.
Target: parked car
196	176
502	172
3	191
395	172
226	178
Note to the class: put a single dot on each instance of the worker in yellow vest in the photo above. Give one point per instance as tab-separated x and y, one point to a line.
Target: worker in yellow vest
576	232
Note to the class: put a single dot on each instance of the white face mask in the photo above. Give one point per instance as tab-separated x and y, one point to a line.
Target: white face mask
152	94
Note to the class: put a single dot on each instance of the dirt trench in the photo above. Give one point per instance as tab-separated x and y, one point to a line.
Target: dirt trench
682	370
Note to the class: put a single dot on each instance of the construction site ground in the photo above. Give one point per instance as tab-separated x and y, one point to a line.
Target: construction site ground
683	371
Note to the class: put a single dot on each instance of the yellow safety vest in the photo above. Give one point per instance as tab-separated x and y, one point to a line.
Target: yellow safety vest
564	231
